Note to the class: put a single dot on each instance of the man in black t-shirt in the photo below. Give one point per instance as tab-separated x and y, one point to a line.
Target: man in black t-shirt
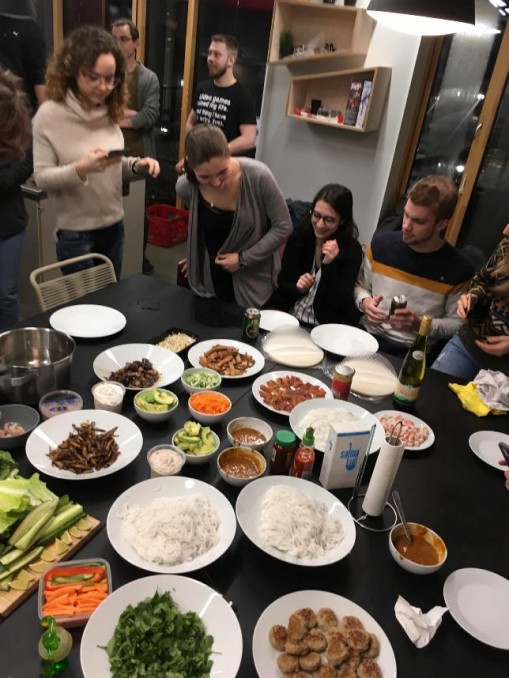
223	101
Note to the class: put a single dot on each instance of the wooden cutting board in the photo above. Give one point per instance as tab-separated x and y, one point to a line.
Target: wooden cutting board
9	600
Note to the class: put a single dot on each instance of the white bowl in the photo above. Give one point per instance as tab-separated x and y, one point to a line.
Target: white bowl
430	536
197	459
209	419
155	417
153	472
249	422
248	452
195	389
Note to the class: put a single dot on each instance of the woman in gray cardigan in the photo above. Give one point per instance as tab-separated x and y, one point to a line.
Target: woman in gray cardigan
238	220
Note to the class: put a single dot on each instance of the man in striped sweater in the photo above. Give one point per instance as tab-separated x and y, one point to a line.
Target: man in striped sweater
418	263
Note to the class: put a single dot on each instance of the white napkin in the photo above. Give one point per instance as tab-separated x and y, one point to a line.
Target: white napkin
419	626
493	389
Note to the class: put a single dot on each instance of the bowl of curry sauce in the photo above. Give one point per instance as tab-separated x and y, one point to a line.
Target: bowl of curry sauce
249	432
426	554
238	466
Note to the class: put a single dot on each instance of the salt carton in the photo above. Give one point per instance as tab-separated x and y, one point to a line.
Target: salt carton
344	453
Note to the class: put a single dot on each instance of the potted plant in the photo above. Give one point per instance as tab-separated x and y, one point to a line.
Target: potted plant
285	43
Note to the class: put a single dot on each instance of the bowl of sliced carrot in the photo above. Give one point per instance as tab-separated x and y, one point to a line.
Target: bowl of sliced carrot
209	407
72	590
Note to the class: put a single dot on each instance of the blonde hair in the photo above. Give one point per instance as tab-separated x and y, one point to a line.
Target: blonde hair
81	49
436	192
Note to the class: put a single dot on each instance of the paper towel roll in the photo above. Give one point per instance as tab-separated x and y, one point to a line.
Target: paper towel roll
386	467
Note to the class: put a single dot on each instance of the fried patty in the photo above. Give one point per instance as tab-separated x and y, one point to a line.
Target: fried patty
310	662
369	669
326	618
337	652
308	615
287	663
325	671
278	636
297	647
316	641
350	622
373	649
357	639
297	627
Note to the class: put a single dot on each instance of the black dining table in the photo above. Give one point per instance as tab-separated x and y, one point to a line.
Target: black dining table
445	487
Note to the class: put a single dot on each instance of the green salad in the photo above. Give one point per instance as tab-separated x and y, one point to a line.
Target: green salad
155	640
202	379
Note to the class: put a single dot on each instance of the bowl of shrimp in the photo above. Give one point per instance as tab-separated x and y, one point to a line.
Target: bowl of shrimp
16	424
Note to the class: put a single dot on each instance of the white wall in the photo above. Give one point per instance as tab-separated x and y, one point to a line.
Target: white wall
304	157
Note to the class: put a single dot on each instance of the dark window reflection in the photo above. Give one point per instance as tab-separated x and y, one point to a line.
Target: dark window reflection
99	12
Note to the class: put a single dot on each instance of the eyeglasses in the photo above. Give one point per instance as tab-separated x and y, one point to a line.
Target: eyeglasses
329	221
110	81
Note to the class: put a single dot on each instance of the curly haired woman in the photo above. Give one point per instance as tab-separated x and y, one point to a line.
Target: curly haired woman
15	168
73	133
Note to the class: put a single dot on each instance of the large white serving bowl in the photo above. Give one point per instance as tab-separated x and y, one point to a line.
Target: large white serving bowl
190	596
88	321
167	363
249	510
299	412
272	376
144	493
196	351
265	656
344	339
52	432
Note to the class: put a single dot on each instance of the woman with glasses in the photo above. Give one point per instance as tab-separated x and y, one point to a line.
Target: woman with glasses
321	262
74	133
238	220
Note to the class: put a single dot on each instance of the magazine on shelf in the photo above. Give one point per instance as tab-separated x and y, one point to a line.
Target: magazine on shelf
366	93
354	101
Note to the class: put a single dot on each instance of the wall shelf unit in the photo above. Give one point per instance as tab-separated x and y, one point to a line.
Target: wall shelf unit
348	28
333	90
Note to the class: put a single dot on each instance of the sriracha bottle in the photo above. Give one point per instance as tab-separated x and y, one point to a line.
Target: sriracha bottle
304	458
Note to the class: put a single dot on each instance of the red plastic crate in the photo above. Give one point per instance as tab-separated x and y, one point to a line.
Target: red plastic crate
167	225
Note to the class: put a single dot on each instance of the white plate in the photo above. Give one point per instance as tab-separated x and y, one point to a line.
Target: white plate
478	600
265	656
190	596
249	510
344	340
417	422
268	376
144	494
271	320
484	444
196	351
167	363
52	432
88	321
299	412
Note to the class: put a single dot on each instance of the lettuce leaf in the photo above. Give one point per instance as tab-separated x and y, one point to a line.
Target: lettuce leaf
7	463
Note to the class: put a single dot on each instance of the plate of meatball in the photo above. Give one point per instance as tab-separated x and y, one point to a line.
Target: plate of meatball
316	634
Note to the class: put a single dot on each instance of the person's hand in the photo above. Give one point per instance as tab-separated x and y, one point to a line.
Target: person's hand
129	112
230	262
95	160
182	264
180	166
148	166
463	305
405	319
305	282
497	345
370	307
330	251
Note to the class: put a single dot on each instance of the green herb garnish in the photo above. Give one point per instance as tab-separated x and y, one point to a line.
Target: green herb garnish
155	640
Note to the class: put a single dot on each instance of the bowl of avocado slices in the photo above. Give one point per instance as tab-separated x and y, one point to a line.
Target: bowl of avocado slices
199	443
155	404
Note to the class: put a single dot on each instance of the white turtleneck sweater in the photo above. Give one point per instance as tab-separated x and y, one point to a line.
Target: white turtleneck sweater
63	133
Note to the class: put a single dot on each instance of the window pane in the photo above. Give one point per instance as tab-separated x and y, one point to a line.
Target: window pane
80	12
456	99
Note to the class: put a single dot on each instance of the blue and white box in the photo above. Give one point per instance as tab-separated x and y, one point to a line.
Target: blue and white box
344	453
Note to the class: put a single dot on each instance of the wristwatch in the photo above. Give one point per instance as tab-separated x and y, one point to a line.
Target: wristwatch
242	263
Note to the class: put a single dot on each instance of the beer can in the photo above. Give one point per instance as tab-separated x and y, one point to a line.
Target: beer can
251	324
399	301
342	381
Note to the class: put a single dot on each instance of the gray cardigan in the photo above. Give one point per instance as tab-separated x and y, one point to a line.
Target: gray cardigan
148	104
260	226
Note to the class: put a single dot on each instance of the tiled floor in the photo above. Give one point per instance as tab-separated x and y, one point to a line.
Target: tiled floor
165	259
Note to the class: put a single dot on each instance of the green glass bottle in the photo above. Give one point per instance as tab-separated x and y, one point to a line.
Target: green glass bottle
412	372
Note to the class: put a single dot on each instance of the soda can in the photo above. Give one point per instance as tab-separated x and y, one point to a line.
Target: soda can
342	381
251	324
399	301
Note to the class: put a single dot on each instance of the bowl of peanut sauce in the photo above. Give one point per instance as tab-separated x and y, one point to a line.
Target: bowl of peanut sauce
249	432
426	554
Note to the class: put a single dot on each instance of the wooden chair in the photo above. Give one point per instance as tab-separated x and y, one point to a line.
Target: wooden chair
65	288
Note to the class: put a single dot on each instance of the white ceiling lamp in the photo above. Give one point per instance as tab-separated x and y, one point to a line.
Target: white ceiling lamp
424	17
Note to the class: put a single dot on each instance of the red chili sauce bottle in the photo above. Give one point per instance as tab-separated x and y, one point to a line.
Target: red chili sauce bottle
282	453
304	458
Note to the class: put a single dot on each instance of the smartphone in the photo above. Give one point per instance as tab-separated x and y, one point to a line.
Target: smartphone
504	448
117	152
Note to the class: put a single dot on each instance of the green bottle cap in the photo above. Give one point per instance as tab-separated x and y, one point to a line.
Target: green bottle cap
285	438
309	438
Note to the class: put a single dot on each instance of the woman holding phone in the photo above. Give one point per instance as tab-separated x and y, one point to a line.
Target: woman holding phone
78	146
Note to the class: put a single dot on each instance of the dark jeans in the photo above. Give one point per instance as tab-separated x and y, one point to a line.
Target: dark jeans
10	259
108	241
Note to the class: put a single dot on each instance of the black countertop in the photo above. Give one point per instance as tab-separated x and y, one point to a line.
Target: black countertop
445	487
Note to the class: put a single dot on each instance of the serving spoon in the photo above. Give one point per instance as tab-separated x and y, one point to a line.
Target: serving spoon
399	508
